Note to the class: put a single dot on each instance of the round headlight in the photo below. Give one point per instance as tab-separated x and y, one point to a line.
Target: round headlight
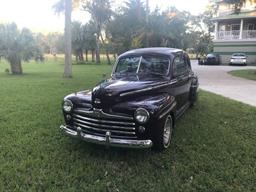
67	106
141	115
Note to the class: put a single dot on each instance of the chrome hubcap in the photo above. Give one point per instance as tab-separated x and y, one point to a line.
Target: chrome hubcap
167	131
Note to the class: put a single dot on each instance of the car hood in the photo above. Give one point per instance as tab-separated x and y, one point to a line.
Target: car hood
112	91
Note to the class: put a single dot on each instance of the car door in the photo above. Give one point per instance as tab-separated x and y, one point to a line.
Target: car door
181	79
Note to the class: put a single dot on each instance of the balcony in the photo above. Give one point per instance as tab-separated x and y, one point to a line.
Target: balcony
249	34
236	35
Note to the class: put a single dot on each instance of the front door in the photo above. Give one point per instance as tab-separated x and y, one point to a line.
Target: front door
181	78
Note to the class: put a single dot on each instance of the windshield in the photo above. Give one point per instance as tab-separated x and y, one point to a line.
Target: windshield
143	65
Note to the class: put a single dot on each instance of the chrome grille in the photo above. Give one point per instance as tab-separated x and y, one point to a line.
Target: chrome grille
96	122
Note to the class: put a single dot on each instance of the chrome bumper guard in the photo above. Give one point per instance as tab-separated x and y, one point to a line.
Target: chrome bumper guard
108	141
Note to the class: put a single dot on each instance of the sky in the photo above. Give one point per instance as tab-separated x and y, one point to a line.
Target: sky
39	16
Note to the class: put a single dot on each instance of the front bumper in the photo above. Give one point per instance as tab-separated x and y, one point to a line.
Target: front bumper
108	141
237	62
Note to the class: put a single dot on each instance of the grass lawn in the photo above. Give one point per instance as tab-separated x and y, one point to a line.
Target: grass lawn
247	74
213	149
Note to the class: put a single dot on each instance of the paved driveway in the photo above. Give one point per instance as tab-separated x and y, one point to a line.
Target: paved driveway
216	79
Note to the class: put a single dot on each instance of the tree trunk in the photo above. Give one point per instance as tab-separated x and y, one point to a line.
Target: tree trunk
15	63
106	49
107	54
86	55
93	55
97	49
68	48
81	56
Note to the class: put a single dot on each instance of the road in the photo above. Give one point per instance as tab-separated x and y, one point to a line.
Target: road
217	80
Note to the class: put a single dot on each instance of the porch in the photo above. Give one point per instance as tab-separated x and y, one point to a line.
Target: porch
239	29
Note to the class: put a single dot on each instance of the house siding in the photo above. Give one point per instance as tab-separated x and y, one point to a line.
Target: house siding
226	49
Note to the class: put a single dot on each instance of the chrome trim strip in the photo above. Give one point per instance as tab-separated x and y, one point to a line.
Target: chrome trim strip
148	88
103	126
104	130
104	121
168	111
99	113
91	132
69	131
126	143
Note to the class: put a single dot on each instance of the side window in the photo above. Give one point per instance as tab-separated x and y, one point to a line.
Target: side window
180	65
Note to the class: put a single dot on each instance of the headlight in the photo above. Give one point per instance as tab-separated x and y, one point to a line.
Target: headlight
244	60
67	106
232	60
141	115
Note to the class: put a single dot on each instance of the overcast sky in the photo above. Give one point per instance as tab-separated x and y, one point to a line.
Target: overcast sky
39	16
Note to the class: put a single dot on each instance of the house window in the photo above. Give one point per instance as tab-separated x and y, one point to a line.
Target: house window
250	26
235	27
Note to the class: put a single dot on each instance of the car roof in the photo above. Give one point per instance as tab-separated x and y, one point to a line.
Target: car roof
152	50
212	54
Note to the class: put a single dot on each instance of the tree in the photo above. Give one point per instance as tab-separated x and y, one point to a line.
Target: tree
200	32
126	26
89	31
133	27
17	45
66	6
78	40
100	11
68	45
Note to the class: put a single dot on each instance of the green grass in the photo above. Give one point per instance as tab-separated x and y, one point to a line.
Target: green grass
213	148
247	74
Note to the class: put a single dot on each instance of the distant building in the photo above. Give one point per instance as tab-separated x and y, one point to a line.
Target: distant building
235	31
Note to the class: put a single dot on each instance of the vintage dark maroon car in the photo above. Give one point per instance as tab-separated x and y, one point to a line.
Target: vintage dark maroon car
137	107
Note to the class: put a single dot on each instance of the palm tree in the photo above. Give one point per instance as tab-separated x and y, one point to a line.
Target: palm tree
100	12
59	7
68	40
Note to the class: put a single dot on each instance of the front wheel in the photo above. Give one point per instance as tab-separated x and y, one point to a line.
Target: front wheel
164	131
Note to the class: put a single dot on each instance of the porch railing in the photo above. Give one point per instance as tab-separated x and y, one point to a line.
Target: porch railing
228	35
249	34
235	35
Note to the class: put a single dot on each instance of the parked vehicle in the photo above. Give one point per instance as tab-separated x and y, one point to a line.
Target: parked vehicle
212	59
138	106
238	59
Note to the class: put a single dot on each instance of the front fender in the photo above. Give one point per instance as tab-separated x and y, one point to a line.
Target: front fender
158	105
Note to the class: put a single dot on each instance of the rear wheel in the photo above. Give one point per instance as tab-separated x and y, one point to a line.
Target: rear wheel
164	131
192	96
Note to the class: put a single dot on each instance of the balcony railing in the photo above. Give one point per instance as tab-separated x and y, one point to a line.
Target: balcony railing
228	35
235	35
249	34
